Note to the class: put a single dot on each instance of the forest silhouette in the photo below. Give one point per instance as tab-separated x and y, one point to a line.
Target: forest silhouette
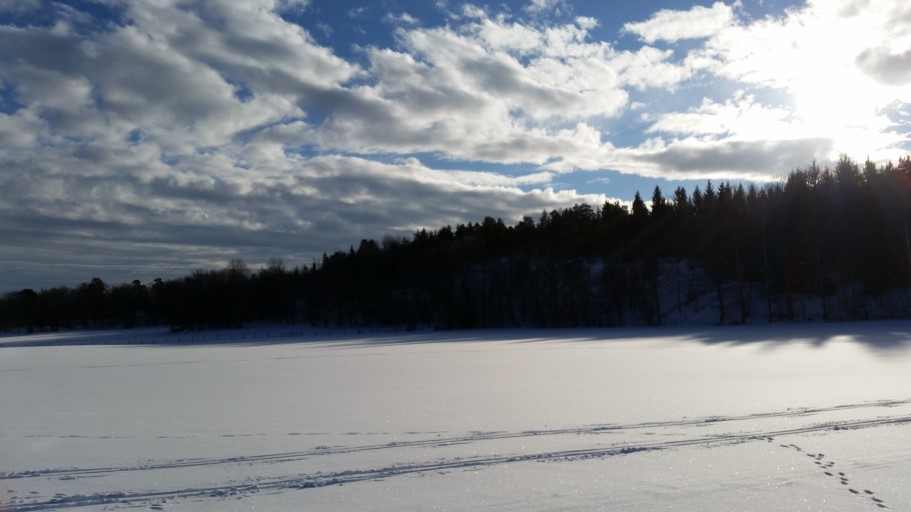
834	241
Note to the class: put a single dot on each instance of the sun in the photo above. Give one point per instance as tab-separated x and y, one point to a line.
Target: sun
843	107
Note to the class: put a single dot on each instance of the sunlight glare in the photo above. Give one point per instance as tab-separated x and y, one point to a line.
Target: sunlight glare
832	97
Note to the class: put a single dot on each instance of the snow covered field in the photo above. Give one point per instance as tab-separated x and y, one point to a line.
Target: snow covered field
805	417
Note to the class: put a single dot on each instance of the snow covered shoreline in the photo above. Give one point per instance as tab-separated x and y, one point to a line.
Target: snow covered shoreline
873	331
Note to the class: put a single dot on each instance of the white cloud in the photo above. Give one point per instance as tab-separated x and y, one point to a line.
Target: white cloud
741	117
539	6
473	11
650	67
586	23
524	86
673	25
509	37
401	19
291	5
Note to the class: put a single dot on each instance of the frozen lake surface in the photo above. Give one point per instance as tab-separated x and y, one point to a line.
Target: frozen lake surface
802	417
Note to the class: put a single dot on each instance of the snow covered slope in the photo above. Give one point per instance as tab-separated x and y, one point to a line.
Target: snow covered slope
807	417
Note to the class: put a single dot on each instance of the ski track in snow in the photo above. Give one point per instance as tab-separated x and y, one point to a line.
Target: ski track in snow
26	501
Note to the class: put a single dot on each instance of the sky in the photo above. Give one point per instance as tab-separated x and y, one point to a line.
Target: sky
144	139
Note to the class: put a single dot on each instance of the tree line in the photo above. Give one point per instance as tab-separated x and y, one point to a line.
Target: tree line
828	244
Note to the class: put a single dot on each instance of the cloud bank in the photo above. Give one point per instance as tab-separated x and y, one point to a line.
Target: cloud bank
157	137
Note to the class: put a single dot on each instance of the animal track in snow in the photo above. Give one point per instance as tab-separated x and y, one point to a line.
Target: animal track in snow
842	477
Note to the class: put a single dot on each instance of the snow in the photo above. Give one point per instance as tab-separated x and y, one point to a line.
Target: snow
780	417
